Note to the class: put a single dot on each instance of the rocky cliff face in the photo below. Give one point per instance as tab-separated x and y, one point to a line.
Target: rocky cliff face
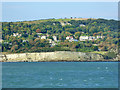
51	56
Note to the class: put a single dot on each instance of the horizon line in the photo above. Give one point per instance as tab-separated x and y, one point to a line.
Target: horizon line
73	18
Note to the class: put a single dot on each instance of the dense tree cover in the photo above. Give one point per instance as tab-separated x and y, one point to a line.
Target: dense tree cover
29	33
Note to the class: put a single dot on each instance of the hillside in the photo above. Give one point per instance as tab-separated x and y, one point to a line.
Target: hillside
48	35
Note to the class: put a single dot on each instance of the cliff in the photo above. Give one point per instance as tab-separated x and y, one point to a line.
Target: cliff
51	56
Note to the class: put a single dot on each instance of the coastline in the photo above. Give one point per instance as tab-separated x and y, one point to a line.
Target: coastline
61	61
57	56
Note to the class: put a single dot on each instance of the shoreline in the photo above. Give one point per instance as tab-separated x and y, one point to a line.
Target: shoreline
60	61
58	56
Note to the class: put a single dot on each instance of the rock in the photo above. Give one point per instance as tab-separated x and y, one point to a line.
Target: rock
51	56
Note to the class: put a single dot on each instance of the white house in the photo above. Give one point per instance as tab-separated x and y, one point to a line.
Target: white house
65	23
53	23
5	42
54	38
50	40
10	43
69	37
1	40
39	33
99	37
47	35
53	44
92	37
16	34
75	40
68	23
83	38
95	44
81	25
43	37
25	41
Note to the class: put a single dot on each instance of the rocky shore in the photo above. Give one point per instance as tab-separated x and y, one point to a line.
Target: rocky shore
51	56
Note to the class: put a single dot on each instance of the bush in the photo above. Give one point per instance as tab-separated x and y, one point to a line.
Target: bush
110	55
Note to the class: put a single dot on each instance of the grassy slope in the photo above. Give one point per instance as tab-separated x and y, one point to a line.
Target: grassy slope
45	20
100	52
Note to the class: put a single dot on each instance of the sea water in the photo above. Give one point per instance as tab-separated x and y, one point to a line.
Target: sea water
60	75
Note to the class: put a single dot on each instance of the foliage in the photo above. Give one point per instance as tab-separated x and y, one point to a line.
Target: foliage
31	32
110	55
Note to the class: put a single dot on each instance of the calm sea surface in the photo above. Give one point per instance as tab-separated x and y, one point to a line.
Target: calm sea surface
60	75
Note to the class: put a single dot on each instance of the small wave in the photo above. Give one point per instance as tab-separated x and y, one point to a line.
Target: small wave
98	67
51	78
60	79
96	84
106	67
90	79
101	77
59	84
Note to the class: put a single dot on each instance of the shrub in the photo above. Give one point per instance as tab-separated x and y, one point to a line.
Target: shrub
110	55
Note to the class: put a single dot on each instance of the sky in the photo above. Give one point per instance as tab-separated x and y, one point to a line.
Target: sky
26	11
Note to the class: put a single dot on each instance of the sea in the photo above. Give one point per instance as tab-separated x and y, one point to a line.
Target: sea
60	74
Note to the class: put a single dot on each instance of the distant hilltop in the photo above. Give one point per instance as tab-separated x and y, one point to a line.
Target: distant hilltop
82	18
59	19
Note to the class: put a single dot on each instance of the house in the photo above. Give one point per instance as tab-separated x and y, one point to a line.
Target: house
99	49
99	37
38	36
68	23
69	38
10	43
5	42
75	40
83	38
95	44
50	40
53	23
16	34
39	33
53	44
47	35
65	23
54	38
25	41
1	40
81	25
43	37
92	37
